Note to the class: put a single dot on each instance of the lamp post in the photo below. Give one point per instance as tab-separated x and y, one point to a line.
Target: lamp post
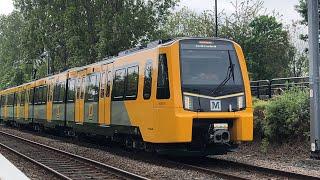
46	54
216	16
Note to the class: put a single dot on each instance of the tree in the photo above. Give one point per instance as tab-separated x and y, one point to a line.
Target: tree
269	51
188	23
73	33
237	25
302	9
83	32
299	64
12	63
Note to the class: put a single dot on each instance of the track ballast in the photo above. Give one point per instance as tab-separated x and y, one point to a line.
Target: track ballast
63	164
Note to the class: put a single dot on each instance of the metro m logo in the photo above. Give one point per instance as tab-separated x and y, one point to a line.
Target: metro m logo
215	105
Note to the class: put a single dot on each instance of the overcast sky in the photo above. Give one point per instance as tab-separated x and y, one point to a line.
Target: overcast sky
6	6
284	7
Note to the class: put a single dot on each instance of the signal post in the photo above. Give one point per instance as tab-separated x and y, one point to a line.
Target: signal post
314	63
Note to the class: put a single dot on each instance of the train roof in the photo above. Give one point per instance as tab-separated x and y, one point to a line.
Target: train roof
110	59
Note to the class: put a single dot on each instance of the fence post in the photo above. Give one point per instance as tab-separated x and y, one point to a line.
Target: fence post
258	89
270	89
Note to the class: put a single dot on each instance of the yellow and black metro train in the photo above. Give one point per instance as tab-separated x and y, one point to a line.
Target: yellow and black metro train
187	95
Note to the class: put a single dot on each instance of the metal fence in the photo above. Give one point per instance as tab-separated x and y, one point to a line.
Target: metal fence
264	89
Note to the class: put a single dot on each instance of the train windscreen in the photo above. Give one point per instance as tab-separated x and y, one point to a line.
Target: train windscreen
210	67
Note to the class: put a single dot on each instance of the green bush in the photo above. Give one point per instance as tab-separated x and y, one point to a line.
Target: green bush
259	117
283	118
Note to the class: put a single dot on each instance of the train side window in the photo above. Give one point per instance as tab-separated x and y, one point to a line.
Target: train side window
36	95
7	100
71	90
109	78
31	98
163	91
10	100
41	89
16	96
62	92
92	90
3	101
147	81
39	95
83	85
22	98
59	92
103	85
51	91
78	88
56	92
132	83
44	94
27	92
118	85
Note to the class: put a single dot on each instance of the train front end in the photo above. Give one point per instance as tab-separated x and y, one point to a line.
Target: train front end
214	111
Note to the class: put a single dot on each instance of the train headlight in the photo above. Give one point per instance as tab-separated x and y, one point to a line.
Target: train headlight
188	102
240	102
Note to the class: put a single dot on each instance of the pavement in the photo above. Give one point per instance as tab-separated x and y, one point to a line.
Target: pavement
9	172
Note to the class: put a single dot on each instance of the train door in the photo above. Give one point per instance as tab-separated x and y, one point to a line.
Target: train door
107	102
22	104
147	103
79	103
16	105
5	111
163	104
26	104
51	84
105	97
102	93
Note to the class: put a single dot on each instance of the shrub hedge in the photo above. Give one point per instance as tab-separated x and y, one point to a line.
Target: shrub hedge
283	118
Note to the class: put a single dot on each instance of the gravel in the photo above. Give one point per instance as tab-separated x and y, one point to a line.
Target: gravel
31	170
142	163
292	157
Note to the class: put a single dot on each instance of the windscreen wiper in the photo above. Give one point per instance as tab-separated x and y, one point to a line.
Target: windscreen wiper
199	102
230	74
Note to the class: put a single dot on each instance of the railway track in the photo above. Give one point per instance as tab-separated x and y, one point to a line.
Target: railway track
236	170
63	164
218	167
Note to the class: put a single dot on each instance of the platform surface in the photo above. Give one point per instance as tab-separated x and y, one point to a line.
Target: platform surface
9	172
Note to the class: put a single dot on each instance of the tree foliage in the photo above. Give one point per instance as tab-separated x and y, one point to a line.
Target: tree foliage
302	9
237	25
11	67
188	23
268	49
76	33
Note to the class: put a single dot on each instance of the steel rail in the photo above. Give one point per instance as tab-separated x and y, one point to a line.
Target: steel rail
266	170
239	167
211	171
113	170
